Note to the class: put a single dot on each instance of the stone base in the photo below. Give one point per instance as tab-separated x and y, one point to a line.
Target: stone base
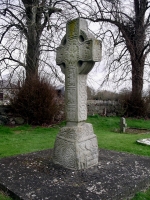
76	147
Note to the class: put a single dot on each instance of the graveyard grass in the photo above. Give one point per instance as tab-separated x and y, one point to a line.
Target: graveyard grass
109	136
25	139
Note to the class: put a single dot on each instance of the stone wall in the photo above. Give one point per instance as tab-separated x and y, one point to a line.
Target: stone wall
106	108
7	118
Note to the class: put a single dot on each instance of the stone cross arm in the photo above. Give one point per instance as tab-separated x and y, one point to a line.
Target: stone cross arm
78	47
90	50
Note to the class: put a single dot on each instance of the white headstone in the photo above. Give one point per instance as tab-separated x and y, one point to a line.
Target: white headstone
76	144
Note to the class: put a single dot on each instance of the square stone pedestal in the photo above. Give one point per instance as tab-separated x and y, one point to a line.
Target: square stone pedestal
76	147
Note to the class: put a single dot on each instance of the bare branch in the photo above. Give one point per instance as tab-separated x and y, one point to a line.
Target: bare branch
21	26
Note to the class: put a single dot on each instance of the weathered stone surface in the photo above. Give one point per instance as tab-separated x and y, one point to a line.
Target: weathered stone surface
76	56
103	107
8	118
3	119
145	141
123	125
19	120
76	145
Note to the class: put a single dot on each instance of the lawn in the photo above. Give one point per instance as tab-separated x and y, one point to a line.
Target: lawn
25	139
4	196
109	137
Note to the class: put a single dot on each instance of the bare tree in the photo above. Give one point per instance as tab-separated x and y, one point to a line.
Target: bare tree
127	24
29	32
31	29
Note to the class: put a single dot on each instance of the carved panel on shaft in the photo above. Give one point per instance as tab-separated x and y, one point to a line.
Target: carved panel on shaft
82	97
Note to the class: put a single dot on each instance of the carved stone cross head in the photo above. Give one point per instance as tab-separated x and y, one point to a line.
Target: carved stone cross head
78	48
76	56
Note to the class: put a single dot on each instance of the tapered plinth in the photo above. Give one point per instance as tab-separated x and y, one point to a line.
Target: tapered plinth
76	147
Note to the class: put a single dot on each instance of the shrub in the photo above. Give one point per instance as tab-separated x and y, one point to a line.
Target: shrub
37	102
138	108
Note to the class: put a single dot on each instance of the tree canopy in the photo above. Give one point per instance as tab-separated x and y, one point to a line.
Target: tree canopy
128	30
30	31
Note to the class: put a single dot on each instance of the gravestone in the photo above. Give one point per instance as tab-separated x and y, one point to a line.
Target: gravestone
145	141
123	125
76	144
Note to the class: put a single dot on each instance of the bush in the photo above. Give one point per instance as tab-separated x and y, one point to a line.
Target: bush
37	102
137	108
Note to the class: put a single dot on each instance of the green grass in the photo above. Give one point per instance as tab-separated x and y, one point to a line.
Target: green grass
138	123
109	137
142	195
25	139
4	196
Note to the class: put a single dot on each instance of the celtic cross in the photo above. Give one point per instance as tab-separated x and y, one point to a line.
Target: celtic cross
76	144
76	56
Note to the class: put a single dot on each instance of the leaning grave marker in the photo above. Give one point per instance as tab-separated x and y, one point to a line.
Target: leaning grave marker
76	144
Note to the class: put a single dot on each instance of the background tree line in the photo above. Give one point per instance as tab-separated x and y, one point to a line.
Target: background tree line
30	31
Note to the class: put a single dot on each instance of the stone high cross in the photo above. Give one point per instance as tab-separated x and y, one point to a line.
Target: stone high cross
76	56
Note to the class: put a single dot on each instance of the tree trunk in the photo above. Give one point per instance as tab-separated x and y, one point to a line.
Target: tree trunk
32	56
33	22
135	37
137	79
136	106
